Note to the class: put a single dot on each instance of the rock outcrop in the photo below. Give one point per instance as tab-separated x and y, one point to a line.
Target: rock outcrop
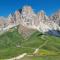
28	20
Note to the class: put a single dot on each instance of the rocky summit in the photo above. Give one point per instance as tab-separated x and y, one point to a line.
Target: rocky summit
29	21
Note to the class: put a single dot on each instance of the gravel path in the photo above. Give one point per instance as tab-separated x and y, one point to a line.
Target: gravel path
18	57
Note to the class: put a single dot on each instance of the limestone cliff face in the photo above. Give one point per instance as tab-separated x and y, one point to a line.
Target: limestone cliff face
45	24
28	20
18	17
25	32
40	21
2	22
56	17
11	20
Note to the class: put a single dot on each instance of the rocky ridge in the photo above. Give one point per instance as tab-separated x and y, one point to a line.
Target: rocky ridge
30	20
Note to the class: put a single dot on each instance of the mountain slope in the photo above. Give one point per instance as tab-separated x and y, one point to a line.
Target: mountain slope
10	38
12	43
47	44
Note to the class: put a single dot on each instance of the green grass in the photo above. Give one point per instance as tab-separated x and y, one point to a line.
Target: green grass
45	52
41	58
34	41
9	42
10	39
13	51
38	39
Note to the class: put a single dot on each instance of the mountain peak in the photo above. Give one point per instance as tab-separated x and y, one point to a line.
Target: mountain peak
29	19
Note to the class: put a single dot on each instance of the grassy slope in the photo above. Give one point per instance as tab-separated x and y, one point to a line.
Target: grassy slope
10	44
41	58
11	39
38	39
51	49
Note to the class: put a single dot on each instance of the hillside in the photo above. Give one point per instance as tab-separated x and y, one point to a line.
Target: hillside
10	44
43	41
13	44
10	38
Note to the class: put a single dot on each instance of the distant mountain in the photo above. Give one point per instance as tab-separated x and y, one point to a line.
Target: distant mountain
3	21
56	17
28	18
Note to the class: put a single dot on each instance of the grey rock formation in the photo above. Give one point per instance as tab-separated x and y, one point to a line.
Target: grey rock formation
27	19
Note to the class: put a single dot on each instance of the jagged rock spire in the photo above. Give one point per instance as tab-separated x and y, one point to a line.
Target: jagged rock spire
29	19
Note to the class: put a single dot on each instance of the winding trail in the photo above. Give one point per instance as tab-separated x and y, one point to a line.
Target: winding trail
36	50
18	57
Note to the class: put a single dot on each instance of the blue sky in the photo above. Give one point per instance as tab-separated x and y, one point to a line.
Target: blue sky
10	6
